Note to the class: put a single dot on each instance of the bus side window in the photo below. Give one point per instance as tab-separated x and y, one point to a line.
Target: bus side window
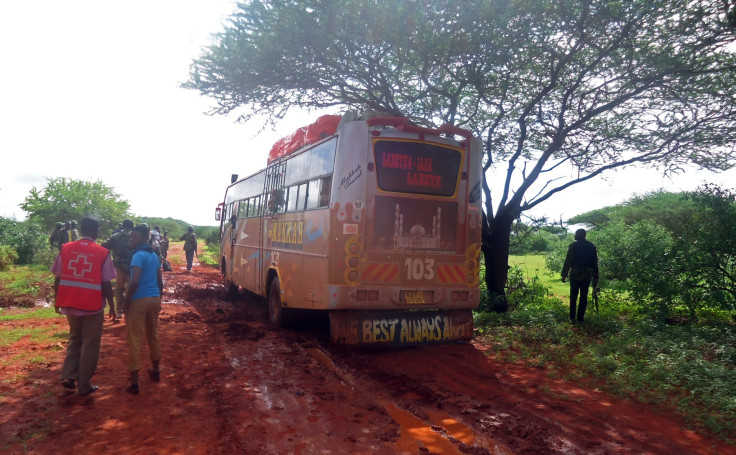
257	208
234	211
291	198
253	206
301	197
276	201
324	194
322	158
313	194
243	211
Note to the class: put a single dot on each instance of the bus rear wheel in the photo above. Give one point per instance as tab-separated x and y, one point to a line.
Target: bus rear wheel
230	288
277	313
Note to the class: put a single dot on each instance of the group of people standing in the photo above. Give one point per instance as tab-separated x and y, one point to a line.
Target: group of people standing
64	233
84	271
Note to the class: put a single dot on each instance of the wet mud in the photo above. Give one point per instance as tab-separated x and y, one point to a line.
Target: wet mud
232	383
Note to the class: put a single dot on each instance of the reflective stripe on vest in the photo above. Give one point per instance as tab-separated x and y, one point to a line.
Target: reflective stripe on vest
80	283
76	284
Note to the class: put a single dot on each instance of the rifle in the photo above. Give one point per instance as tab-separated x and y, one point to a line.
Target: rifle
595	298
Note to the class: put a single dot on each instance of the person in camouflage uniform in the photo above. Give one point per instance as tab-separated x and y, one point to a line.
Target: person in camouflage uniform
121	254
65	235
190	246
75	232
165	244
581	263
54	237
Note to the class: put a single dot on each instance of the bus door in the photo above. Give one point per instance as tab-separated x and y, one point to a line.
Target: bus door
226	242
273	204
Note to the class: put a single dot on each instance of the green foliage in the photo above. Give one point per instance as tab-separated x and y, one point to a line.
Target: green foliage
213	238
63	199
579	86
26	238
535	238
688	368
176	228
673	253
8	256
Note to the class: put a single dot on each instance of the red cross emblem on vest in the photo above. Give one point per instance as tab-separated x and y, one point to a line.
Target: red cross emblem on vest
80	265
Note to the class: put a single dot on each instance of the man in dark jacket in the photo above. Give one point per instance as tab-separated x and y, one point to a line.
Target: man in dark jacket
581	264
190	246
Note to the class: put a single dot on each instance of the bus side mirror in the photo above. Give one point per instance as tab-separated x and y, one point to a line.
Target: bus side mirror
217	214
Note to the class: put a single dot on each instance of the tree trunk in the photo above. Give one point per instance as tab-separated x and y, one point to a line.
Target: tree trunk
495	248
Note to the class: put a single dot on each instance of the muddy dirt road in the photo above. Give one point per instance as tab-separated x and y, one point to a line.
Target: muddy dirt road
234	384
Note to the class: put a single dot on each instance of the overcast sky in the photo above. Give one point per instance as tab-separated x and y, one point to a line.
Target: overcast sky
90	90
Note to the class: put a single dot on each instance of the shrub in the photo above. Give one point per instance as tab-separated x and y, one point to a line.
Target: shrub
8	256
25	237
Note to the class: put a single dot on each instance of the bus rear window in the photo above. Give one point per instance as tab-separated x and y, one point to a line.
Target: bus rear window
416	167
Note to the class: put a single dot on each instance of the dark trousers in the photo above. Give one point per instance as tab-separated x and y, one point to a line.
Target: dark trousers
578	287
190	258
83	350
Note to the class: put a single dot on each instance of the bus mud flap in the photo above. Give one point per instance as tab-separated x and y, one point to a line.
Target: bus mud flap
400	328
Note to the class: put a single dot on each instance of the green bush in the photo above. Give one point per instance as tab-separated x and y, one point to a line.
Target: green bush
8	256
25	237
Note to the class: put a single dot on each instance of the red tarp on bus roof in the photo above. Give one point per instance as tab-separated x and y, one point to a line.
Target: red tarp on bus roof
325	126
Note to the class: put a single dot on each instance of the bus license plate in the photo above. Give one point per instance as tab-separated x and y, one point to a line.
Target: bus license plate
414	296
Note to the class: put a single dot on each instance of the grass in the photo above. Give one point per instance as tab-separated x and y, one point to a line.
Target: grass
24	279
37	334
688	368
534	265
38	313
24	285
210	255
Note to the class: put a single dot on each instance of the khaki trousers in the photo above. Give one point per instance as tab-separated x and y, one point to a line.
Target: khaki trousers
142	316
121	282
83	350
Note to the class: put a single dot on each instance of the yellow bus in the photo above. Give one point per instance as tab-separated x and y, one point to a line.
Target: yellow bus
377	221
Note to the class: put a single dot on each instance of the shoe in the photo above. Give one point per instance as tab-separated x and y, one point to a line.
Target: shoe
133	389
154	375
92	389
68	384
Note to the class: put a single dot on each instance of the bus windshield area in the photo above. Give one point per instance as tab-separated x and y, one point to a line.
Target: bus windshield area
417	167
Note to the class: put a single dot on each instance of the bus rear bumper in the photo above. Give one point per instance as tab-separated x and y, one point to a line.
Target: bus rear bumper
401	328
399	298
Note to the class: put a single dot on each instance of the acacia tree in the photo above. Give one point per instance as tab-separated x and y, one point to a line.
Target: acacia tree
549	85
63	199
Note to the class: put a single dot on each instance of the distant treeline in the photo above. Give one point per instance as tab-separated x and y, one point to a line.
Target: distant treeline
177	228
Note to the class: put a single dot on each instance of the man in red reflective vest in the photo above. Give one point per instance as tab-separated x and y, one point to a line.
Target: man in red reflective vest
83	273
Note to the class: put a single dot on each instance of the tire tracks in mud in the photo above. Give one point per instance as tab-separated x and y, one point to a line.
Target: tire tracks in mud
282	365
271	396
290	391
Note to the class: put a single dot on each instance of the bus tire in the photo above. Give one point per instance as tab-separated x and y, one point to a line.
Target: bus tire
230	288
277	313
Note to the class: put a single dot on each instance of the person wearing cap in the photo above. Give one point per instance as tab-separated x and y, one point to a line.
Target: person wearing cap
142	306
190	246
83	272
